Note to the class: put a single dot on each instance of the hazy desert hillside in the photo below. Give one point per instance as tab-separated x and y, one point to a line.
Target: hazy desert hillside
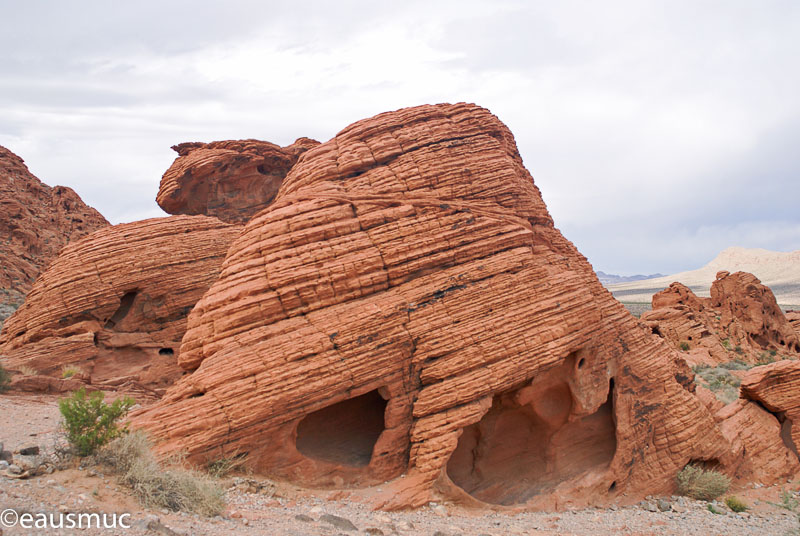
778	270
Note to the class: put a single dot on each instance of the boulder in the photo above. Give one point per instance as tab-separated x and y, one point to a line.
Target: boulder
776	387
741	320
36	221
232	180
112	307
405	306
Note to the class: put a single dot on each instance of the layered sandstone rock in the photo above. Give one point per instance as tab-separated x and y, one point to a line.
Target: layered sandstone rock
406	306
36	221
113	306
231	180
794	319
776	387
741	320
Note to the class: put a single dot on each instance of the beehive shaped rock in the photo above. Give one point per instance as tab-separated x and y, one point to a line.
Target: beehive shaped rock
776	388
114	304
741	320
231	180
406	306
36	221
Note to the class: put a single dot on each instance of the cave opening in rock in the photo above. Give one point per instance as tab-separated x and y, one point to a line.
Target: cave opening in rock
166	351
517	451
344	433
125	304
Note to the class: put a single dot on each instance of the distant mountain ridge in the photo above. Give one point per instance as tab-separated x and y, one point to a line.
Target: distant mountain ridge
611	279
780	271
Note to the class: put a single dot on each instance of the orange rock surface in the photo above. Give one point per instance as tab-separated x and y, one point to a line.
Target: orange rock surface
231	180
776	387
113	305
741	320
36	221
405	306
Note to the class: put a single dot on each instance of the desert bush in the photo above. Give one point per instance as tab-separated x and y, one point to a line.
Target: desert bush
89	422
703	484
765	358
719	380
226	465
25	370
68	371
176	489
739	350
726	343
684	346
5	379
736	364
736	504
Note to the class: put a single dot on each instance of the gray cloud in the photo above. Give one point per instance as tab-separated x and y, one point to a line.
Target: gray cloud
659	133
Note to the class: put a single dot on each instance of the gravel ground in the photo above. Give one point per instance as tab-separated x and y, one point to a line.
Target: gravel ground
257	507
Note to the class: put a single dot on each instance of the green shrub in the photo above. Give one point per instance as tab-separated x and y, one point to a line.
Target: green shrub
736	504
68	371
90	423
710	508
765	358
724	385
684	346
703	484
179	489
736	364
5	379
738	350
726	343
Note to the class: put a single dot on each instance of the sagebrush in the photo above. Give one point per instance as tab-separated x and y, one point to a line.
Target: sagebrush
89	422
702	484
5	379
736	504
177	489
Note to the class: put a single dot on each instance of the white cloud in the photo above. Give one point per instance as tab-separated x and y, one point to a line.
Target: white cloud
642	123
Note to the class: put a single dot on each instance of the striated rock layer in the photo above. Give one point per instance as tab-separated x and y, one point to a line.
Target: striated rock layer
232	180
741	320
406	306
776	388
36	221
113	305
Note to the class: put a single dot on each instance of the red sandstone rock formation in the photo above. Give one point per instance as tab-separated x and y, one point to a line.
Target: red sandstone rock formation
741	320
232	180
794	319
114	304
36	221
776	387
406	306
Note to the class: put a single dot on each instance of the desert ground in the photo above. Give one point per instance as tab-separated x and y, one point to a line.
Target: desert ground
256	506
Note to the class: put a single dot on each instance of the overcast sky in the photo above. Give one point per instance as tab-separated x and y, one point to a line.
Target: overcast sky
658	132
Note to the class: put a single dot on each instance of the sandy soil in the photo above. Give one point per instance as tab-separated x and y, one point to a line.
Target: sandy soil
263	507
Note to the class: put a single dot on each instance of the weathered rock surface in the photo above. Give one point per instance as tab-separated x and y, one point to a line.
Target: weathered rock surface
36	221
232	180
405	305
113	306
794	319
777	388
741	320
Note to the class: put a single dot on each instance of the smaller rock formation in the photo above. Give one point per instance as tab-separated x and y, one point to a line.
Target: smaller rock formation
741	320
36	221
794	319
112	308
231	180
776	387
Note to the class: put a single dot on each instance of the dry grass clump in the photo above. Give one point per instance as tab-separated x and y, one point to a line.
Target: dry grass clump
177	489
5	379
736	504
702	484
